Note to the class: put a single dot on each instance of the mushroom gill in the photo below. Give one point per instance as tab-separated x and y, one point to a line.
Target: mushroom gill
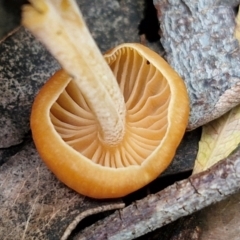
147	96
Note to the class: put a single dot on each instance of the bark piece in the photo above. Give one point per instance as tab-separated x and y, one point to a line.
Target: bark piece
198	37
177	200
35	205
181	229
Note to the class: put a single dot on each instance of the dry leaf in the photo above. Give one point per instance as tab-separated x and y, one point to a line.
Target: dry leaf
35	205
221	221
219	138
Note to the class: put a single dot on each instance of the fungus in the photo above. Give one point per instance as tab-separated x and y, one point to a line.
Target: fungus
108	127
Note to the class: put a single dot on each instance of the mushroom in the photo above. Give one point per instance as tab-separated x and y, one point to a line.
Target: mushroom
104	126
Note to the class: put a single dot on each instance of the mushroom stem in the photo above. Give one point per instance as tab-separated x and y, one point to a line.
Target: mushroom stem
60	26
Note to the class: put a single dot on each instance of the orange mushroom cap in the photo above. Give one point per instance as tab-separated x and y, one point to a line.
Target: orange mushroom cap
108	127
67	133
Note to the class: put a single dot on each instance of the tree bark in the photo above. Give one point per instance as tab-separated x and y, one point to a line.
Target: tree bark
198	38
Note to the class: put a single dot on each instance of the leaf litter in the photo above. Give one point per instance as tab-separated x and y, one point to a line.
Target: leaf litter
35	205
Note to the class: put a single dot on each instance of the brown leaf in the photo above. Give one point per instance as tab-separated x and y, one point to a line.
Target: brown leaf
221	221
35	205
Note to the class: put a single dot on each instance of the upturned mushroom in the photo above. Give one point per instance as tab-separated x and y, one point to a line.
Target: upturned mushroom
105	126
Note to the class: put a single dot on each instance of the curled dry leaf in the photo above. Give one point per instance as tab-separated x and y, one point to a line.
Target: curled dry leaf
35	205
219	138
